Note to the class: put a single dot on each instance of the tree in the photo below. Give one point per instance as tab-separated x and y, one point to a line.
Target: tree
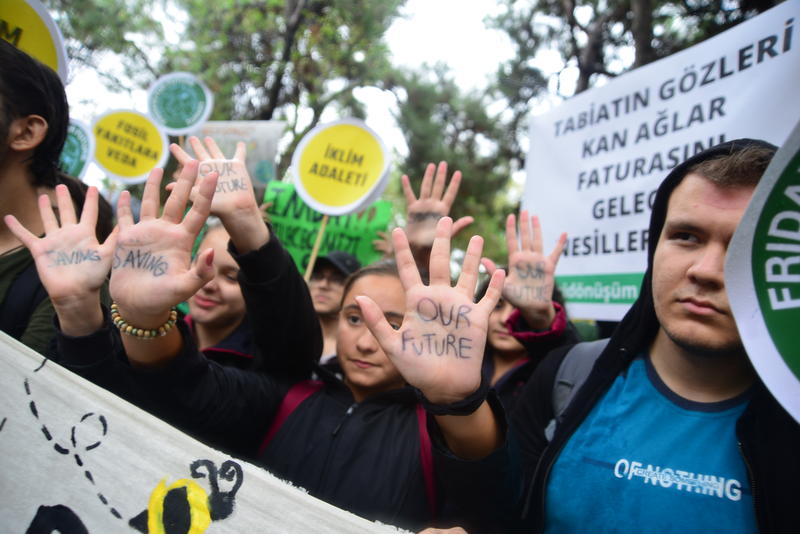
442	123
263	59
595	37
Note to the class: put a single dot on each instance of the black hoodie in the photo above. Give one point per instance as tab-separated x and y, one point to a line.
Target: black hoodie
769	438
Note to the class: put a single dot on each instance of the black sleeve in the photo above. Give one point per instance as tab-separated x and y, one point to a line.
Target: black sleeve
226	407
534	410
484	495
286	329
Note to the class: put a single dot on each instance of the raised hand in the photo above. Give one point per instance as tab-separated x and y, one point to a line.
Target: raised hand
434	202
234	199
439	347
71	263
234	188
531	275
152	268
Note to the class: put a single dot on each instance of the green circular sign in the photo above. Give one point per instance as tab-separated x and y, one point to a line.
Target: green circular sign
78	149
179	102
776	264
762	276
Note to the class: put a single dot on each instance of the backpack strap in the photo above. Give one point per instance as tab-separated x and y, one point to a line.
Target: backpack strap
24	294
426	459
293	398
571	374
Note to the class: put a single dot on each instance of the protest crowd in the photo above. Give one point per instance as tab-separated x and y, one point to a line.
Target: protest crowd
391	390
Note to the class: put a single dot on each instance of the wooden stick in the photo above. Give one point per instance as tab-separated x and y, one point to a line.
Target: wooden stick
313	259
180	141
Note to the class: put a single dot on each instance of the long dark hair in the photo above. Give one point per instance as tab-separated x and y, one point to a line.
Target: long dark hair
28	87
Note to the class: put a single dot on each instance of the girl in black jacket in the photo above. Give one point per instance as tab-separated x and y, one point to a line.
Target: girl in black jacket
358	440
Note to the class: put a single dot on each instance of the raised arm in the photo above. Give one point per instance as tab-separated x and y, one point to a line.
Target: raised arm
284	325
234	200
436	198
71	263
152	267
531	274
439	347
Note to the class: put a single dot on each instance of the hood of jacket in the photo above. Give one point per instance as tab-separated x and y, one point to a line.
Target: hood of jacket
639	325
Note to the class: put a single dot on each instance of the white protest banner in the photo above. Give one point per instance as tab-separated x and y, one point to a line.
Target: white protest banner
596	160
261	138
179	102
27	25
76	459
762	275
339	167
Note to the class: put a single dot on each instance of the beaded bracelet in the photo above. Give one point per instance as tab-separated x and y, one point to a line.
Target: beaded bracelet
142	333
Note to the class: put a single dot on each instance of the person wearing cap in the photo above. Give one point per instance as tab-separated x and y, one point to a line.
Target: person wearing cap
326	287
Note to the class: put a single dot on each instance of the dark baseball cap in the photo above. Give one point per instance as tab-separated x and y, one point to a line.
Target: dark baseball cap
343	262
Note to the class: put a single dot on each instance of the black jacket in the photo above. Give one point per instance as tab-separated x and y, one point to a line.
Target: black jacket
362	457
537	345
769	438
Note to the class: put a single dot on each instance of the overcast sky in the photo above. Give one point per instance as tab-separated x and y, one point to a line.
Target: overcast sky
449	31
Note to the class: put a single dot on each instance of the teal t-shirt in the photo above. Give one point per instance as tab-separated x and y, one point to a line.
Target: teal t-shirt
647	460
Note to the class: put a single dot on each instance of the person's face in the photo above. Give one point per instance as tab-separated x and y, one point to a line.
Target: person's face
219	303
326	286
366	367
688	283
499	338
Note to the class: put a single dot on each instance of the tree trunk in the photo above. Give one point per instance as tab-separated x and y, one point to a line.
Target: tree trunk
642	30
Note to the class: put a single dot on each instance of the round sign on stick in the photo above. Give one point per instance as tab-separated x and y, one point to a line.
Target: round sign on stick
128	145
27	25
762	276
338	165
78	149
179	102
338	168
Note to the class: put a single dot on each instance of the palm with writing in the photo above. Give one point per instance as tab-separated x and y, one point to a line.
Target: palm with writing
531	275
152	268
234	191
71	263
434	202
439	347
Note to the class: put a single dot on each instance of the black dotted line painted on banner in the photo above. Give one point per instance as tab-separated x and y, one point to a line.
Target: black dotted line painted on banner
64	450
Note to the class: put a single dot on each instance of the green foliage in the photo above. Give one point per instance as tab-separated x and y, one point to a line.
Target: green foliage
263	59
442	123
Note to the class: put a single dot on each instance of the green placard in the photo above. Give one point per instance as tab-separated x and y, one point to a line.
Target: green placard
179	102
776	264
618	288
297	225
77	151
